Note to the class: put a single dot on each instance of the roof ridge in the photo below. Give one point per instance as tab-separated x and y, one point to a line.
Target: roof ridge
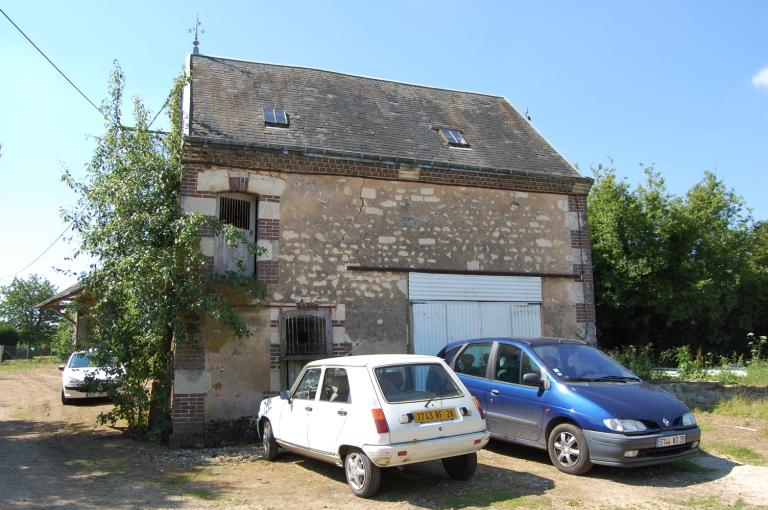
495	96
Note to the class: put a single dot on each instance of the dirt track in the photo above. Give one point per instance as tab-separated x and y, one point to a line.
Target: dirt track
55	456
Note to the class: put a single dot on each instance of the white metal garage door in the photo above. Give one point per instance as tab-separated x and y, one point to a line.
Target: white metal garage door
454	307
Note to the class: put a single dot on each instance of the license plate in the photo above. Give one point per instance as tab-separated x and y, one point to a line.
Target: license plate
670	441
434	415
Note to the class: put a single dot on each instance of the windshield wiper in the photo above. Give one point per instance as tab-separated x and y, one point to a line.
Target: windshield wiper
617	378
437	394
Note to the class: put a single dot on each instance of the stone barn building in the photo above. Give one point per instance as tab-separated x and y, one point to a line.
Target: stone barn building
393	217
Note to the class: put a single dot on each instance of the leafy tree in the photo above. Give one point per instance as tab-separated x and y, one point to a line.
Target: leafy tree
675	270
151	286
18	307
8	334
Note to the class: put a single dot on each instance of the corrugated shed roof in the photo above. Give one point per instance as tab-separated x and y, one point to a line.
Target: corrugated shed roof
352	114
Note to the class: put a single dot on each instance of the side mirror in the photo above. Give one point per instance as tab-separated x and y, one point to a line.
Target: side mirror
284	395
532	379
61	367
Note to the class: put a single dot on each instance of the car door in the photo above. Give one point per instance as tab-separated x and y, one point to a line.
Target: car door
514	409
471	364
329	412
294	420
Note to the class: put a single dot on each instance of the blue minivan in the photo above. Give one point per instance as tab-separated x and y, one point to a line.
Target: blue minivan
572	400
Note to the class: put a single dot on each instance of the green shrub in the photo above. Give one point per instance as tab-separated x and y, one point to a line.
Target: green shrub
640	360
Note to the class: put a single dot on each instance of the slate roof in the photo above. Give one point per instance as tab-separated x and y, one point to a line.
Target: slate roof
365	116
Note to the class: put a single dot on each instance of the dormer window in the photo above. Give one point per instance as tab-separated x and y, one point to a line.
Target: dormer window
453	137
275	117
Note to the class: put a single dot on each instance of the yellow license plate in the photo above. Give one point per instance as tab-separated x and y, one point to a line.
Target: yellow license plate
434	415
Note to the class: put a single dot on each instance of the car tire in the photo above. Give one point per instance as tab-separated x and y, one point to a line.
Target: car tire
568	449
269	442
363	476
64	400
461	467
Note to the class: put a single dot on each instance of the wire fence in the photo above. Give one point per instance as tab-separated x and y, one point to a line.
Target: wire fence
9	352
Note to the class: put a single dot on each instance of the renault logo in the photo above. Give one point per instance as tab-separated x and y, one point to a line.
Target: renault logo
666	422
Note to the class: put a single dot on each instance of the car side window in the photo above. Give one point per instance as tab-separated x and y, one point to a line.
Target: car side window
528	366
508	359
451	354
473	360
307	388
335	386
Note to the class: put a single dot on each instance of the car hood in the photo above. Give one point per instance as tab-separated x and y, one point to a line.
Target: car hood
640	401
80	374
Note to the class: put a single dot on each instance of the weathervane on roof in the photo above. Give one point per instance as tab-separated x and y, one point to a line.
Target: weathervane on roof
196	43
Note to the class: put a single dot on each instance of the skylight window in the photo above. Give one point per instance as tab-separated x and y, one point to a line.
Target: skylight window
275	117
453	137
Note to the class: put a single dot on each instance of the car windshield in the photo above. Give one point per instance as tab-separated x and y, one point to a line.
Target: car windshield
578	362
81	360
408	383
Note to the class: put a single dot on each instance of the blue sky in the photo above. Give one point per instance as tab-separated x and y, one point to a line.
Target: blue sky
671	83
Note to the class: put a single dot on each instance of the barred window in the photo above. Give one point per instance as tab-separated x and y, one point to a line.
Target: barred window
235	212
306	334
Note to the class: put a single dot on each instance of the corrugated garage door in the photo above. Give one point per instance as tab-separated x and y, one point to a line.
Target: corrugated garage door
454	307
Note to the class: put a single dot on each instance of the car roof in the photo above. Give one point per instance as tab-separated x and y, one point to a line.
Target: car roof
370	360
533	341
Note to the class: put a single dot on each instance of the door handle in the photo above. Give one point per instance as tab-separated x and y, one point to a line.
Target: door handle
341	412
308	409
495	392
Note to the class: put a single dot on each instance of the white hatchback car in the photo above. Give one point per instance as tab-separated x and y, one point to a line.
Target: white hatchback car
370	412
79	367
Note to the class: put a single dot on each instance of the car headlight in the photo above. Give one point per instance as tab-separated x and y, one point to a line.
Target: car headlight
72	381
620	425
689	420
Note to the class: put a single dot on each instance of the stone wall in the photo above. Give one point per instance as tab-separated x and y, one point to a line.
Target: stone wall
322	221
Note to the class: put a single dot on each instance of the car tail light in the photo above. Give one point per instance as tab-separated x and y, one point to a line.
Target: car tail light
479	409
380	421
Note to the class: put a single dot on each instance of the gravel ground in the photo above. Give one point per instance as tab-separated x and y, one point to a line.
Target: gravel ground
55	456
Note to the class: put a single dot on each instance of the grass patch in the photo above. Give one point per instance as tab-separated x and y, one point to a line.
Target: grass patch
712	503
743	406
184	484
757	374
738	453
16	365
487	497
18	414
686	466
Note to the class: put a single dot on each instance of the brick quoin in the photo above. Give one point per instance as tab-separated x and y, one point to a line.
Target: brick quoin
189	358
585	314
268	271
268	229
188	407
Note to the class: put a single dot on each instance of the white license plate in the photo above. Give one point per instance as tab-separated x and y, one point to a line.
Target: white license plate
670	441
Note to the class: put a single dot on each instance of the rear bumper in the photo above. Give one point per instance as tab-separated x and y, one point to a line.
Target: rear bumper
430	449
608	449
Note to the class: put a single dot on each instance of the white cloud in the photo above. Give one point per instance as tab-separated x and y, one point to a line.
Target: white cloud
761	78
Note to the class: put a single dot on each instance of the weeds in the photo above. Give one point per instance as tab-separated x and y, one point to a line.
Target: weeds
743	406
698	365
740	454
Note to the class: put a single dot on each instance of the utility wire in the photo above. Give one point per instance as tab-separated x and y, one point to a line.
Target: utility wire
91	103
51	62
41	254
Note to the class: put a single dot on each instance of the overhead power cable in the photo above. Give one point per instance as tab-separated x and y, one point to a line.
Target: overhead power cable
51	62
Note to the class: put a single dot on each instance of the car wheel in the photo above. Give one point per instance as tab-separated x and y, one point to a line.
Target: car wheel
64	400
568	449
269	442
461	467
363	476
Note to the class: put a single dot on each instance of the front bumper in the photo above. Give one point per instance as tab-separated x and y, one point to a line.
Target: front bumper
429	449
74	392
608	449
